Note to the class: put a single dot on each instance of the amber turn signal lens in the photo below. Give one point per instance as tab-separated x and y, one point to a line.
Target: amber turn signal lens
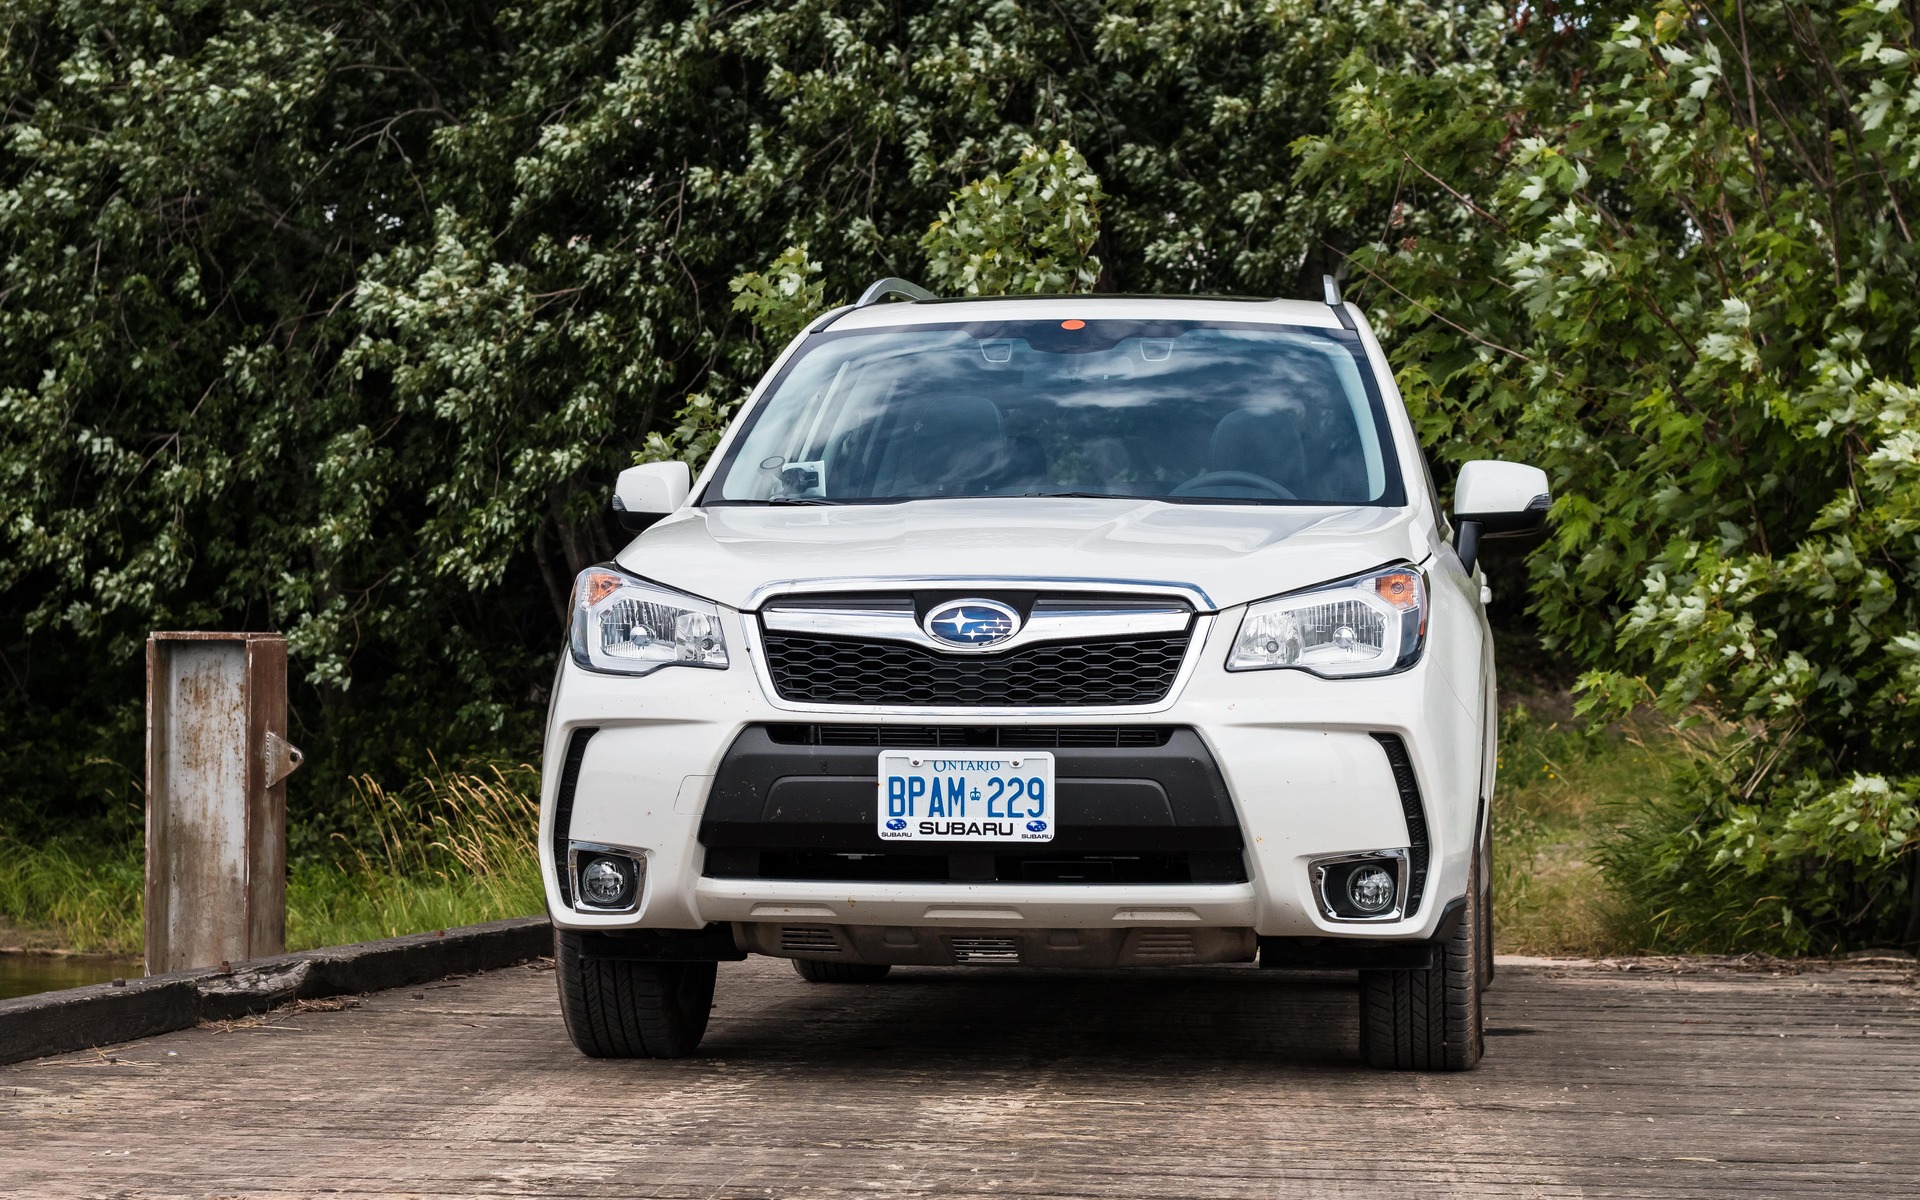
598	586
1073	324
1399	588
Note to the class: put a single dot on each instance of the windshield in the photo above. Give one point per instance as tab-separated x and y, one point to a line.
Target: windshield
1177	411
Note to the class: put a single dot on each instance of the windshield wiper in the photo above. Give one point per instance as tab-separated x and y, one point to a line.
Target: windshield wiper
1081	496
799	500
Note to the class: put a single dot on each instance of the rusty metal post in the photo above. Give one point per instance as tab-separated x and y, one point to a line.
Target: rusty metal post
217	762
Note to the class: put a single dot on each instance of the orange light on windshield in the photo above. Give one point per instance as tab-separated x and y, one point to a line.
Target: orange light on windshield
1075	324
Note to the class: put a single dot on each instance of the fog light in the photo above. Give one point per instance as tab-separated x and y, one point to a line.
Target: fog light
603	882
1371	889
1368	886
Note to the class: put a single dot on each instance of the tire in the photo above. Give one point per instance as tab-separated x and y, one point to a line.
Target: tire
815	971
615	1008
1428	1020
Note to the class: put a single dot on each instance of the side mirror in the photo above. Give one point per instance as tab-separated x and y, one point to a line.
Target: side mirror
1497	499
644	494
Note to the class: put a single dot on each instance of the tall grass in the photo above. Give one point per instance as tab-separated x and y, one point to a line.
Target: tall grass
1679	893
79	897
458	847
1563	792
452	848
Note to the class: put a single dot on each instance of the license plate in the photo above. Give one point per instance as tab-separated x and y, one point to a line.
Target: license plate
966	796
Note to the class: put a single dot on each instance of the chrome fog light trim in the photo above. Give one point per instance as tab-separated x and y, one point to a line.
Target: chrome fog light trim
1334	875
605	879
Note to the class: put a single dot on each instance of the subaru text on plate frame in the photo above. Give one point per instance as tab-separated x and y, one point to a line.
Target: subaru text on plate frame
1085	631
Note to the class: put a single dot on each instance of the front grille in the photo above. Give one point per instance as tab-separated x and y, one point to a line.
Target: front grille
824	670
940	737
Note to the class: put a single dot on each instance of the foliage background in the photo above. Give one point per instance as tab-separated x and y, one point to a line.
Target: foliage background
338	318
1667	253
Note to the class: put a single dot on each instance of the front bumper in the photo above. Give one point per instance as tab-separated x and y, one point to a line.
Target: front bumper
633	761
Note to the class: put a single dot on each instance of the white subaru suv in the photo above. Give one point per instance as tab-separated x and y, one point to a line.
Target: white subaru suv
1078	631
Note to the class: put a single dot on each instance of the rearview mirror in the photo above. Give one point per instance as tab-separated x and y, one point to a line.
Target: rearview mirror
644	494
1497	499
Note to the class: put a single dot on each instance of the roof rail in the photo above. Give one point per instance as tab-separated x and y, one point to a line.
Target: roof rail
892	286
1334	302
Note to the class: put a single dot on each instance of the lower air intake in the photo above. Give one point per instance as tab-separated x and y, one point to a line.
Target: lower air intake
808	939
1163	945
985	950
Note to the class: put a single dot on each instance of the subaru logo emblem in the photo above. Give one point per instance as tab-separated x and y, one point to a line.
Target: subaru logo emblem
896	824
971	624
1036	826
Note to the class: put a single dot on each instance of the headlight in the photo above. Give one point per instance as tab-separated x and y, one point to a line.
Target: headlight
632	628
1372	625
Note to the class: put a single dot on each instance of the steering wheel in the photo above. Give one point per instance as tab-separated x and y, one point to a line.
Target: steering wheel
1247	479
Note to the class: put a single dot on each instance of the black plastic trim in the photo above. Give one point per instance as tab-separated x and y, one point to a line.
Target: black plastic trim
634	522
1342	954
1009	737
712	944
1449	919
563	805
1418	848
781	809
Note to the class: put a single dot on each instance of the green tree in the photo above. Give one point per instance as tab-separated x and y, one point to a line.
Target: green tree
1666	251
187	196
339	319
1032	230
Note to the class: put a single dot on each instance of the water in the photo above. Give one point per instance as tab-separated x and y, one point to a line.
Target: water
26	974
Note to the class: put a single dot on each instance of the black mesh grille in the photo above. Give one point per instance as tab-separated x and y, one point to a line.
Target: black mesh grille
1059	675
1021	737
1415	813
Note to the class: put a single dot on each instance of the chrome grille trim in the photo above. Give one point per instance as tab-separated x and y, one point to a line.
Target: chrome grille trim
1191	593
1047	624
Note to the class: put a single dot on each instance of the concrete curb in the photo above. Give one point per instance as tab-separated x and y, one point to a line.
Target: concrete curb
56	1022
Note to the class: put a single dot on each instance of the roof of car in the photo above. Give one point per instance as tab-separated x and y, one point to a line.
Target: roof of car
1095	307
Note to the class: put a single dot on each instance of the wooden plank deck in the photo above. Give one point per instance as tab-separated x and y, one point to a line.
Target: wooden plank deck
1215	1082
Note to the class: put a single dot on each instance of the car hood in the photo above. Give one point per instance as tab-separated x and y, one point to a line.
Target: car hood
1228	554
